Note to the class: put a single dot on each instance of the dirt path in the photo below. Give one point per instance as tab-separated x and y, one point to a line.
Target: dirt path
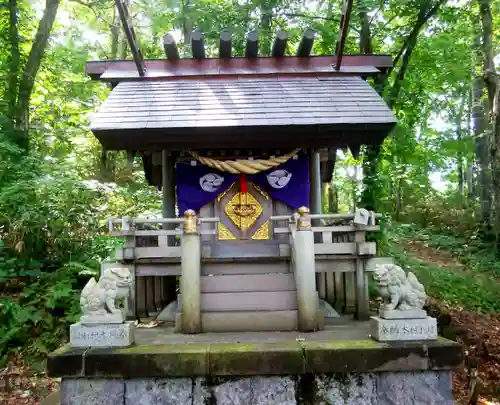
479	333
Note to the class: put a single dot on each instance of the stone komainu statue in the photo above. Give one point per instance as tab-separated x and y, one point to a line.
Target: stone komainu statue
98	297
399	290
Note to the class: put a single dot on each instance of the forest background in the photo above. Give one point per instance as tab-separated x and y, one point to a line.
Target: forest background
437	177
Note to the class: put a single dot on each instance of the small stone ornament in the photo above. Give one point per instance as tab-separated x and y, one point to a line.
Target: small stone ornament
102	323
401	316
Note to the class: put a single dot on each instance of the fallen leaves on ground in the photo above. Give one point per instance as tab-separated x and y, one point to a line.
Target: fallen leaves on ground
479	333
480	336
21	385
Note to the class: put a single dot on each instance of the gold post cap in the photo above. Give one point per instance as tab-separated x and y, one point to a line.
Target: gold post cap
190	222
303	211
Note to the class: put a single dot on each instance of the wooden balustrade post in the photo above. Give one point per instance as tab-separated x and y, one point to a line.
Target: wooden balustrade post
303	256
190	275
362	300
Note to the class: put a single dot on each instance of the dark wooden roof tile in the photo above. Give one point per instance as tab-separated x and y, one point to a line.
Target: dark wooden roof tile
242	102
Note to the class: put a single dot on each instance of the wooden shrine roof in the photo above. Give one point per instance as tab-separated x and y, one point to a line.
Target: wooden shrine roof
276	111
255	101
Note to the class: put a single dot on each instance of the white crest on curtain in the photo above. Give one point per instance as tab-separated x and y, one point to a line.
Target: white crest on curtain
210	182
279	178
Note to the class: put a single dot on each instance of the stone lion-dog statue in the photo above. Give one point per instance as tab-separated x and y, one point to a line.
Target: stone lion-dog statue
99	297
400	291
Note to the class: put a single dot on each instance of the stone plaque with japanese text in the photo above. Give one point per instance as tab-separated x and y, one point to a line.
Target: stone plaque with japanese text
385	330
102	335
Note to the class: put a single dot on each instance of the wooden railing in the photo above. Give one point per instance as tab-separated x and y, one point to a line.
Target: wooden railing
157	242
342	260
151	243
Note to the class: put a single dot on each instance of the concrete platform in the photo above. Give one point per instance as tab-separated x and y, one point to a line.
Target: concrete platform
343	347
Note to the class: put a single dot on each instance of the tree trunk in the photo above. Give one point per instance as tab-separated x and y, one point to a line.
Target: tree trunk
480	109
187	24
15	59
365	35
333	199
482	148
30	71
105	172
492	129
469	174
460	157
265	23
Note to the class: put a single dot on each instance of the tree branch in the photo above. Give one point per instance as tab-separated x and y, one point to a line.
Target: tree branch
422	19
407	49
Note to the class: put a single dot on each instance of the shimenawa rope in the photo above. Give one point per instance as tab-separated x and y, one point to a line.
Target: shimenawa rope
243	166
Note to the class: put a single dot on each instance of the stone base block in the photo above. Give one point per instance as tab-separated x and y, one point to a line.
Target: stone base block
386	330
404	388
102	319
104	335
397	314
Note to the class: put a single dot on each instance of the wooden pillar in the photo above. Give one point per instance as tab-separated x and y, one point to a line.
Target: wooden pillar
190	275
315	180
330	288
350	292
362	299
339	291
168	184
168	211
140	293
303	255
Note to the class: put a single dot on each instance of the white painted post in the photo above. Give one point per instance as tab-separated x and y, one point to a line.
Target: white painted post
303	251
190	275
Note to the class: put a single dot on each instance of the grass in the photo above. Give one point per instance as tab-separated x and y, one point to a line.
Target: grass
477	292
473	252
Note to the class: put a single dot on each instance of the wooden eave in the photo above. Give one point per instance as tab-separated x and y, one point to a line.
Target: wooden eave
123	70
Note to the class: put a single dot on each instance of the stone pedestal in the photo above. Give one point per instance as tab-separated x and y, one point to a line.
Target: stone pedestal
102	319
386	330
102	335
398	314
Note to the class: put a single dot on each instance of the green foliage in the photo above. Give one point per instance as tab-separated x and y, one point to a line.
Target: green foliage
55	198
463	289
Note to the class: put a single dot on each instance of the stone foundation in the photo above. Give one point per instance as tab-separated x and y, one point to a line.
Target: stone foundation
389	388
341	365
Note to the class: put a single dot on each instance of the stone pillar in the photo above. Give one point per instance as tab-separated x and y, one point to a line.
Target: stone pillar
190	275
303	256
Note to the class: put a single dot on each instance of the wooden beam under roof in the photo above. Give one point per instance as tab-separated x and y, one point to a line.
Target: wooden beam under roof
279	45
344	29
306	43
170	47
225	44
198	44
122	8
252	45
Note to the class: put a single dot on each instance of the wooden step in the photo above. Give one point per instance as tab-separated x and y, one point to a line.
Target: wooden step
243	321
244	267
248	283
246	301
